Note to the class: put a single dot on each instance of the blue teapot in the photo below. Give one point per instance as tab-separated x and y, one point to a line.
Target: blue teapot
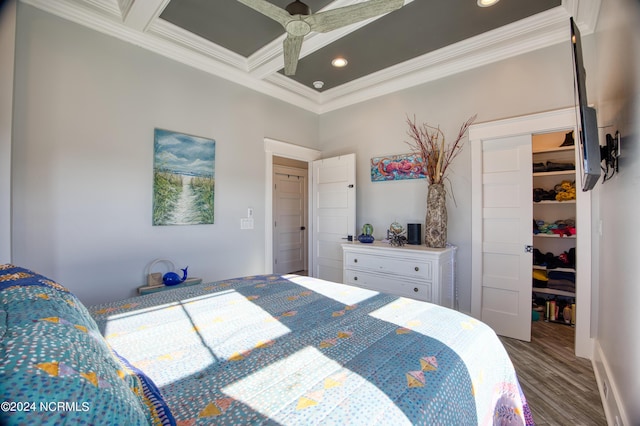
171	278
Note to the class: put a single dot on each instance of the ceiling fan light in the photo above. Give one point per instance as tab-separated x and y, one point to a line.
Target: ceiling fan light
298	8
339	62
487	3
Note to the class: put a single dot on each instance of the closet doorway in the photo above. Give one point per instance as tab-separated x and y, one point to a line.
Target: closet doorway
290	216
502	244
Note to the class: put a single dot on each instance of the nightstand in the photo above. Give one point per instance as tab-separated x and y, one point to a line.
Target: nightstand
153	289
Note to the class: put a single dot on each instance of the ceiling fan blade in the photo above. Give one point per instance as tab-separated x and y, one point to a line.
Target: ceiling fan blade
269	9
291	46
329	20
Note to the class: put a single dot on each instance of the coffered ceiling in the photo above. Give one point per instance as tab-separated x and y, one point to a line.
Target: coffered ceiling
422	41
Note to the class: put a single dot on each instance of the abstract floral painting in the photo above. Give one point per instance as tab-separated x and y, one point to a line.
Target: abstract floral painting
183	179
396	167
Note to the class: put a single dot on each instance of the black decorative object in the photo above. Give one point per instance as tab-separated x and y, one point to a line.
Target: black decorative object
414	231
568	139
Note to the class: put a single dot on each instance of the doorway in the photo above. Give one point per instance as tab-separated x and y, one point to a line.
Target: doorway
306	156
290	229
331	208
487	281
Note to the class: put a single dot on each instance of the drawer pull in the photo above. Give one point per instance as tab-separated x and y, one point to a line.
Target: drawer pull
415	289
355	260
355	278
416	269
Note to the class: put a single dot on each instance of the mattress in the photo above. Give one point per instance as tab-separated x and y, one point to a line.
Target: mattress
297	350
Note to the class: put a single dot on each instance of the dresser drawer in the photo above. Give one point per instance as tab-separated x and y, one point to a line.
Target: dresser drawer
387	284
414	268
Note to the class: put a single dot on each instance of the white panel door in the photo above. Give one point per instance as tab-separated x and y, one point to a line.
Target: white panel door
506	233
334	213
289	225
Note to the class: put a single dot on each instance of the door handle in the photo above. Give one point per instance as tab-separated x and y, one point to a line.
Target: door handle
302	228
348	238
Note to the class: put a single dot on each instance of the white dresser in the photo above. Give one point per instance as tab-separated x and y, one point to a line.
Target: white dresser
409	271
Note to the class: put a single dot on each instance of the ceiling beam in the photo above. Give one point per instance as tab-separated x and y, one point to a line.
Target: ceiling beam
166	39
139	14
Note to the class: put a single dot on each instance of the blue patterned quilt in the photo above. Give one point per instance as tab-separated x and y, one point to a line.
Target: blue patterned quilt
300	351
55	366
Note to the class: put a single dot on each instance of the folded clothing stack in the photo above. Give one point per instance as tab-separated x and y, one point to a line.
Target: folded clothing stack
540	279
565	227
551	277
540	194
564	191
551	166
561	280
565	260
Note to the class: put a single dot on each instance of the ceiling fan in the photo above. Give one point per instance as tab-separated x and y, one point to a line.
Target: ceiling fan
298	21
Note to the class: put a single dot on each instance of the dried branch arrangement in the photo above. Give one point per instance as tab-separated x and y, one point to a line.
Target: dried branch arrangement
429	142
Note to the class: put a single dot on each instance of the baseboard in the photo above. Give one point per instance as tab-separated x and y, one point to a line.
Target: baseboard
609	394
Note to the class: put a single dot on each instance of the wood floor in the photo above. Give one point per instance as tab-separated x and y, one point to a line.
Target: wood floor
560	388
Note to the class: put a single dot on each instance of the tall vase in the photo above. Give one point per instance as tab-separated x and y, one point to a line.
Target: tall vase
435	233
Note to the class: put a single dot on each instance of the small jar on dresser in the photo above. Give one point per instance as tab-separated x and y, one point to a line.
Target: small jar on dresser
414	271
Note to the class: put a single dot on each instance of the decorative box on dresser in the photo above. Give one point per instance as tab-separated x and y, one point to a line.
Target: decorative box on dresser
412	271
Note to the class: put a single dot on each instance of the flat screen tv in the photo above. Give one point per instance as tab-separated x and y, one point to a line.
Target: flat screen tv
588	144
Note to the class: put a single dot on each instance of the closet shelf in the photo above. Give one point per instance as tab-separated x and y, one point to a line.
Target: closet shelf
554	202
544	268
558	149
553	292
554	236
558	173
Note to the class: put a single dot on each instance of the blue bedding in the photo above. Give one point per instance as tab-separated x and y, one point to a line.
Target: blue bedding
254	350
297	350
56	368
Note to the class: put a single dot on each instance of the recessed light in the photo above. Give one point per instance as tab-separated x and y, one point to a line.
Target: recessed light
318	84
487	3
339	62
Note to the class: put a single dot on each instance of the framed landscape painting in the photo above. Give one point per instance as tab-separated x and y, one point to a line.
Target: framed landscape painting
183	179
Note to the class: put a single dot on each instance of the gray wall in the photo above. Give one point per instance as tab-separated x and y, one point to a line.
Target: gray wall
7	59
535	82
618	209
85	109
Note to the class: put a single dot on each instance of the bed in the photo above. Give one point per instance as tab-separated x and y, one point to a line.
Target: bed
267	349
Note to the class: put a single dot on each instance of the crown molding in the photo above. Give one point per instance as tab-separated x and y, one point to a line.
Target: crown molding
82	13
286	83
584	12
536	32
140	14
117	8
174	34
260	71
191	53
125	6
